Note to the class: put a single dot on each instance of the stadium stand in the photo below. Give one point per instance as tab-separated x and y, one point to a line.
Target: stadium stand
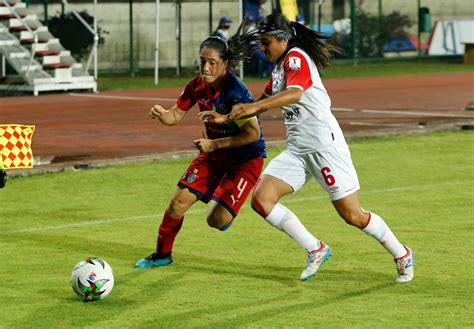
36	55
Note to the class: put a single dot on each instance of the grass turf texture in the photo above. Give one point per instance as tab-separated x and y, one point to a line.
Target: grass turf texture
248	276
338	69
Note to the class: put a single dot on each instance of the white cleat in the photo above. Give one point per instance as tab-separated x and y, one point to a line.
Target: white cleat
405	266
316	258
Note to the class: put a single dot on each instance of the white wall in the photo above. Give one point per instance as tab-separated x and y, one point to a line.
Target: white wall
114	17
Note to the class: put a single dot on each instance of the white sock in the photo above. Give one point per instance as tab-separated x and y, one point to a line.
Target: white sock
380	231
285	220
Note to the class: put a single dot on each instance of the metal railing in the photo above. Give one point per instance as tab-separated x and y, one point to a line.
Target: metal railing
35	35
92	30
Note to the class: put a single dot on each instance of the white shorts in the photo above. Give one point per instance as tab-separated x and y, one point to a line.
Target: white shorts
332	169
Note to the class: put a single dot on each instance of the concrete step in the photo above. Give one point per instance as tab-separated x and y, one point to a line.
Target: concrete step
15	25
10	3
19	9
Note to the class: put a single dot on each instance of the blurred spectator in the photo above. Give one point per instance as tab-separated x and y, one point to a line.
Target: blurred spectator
300	19
252	9
222	30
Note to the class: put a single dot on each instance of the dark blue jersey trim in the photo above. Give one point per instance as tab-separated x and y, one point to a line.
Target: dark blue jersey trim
201	196
222	203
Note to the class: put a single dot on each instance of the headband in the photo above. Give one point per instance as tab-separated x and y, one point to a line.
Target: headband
277	32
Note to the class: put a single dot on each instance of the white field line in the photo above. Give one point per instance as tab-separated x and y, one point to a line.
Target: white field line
290	200
424	114
131	98
383	124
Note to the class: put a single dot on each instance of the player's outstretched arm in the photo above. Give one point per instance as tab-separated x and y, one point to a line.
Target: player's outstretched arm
168	117
249	133
247	110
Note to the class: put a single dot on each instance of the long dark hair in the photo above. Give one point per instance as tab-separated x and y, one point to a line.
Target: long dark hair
238	47
298	35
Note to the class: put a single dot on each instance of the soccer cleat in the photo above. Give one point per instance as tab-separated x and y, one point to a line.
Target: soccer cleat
153	260
405	266
316	258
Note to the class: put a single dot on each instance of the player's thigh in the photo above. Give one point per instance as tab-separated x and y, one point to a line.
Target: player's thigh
288	172
180	202
334	171
218	215
237	183
270	189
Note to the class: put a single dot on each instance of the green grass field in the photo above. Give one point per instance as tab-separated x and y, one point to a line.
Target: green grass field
248	276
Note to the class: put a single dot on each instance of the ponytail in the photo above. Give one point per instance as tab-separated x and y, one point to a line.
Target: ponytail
238	47
313	43
243	43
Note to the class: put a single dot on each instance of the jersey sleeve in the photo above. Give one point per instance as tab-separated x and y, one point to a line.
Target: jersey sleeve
268	89
186	100
298	74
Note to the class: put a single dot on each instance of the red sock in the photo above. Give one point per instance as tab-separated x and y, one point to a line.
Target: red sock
169	228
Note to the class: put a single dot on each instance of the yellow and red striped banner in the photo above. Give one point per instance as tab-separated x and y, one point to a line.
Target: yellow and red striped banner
15	146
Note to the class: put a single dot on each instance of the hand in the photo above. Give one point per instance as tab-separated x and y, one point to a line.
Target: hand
205	145
213	117
243	111
157	111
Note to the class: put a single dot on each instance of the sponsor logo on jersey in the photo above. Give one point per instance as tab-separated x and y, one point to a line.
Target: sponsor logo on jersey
292	113
334	189
295	63
278	80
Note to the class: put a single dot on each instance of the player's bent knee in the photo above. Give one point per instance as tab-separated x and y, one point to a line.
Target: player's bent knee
177	208
225	227
217	223
354	218
257	207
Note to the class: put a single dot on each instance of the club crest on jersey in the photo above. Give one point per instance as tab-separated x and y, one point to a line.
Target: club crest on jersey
192	176
295	63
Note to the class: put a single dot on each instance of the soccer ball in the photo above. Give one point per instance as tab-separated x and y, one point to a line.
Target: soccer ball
92	279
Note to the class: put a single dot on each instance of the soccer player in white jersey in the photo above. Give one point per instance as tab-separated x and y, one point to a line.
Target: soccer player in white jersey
315	145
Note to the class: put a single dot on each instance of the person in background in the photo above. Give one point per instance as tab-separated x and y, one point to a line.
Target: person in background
316	147
222	30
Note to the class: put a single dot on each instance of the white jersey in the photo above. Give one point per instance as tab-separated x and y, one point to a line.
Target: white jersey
310	124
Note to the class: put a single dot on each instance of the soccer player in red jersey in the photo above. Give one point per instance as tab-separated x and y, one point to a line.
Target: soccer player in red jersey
231	157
